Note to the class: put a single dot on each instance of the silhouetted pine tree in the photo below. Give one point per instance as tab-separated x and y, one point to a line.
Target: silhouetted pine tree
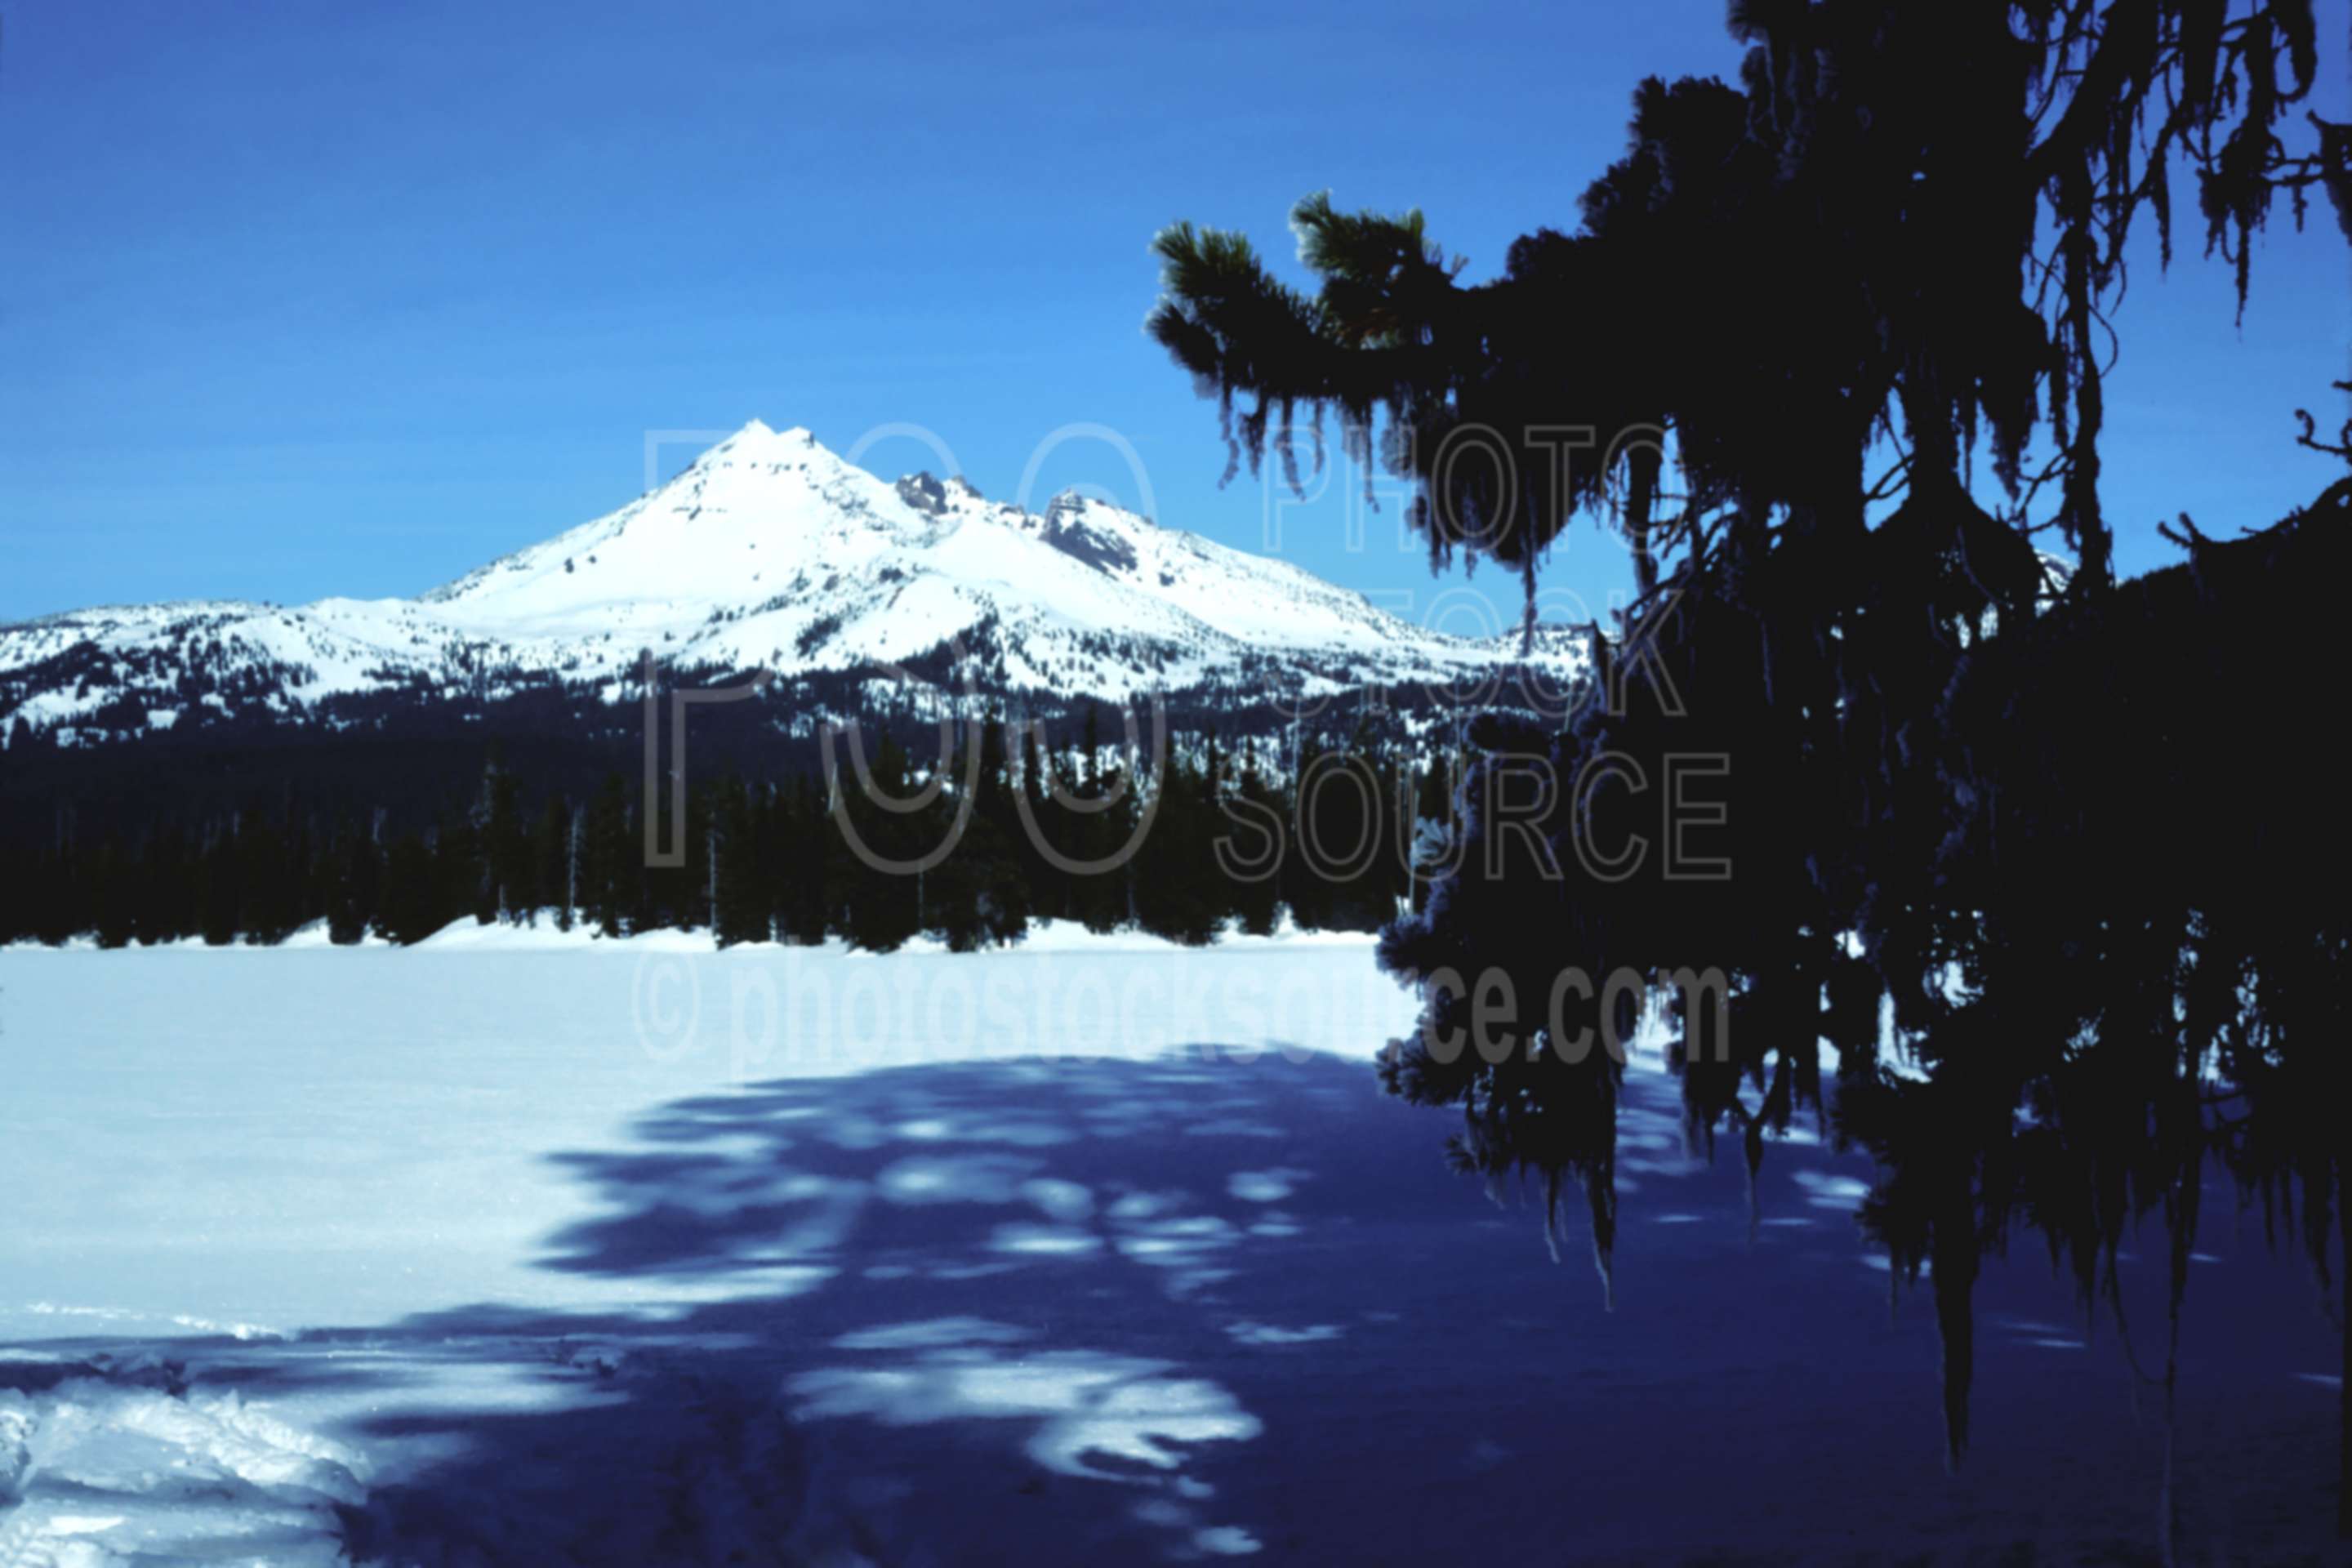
504	890
1101	898
1178	891
805	847
113	889
1256	827
415	901
978	896
167	905
218	897
610	861
879	907
549	881
741	907
354	877
1910	220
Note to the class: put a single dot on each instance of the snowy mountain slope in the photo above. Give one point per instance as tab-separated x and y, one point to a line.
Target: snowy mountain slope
768	553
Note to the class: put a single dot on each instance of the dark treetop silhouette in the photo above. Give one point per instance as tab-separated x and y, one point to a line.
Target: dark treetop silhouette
2080	842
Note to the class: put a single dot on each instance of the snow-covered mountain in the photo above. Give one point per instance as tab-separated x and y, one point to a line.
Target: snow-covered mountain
770	553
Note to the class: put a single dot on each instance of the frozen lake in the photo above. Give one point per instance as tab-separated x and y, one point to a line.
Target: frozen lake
519	1248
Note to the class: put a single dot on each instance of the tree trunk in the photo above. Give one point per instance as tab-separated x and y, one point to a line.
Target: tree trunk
1641	492
2343	1368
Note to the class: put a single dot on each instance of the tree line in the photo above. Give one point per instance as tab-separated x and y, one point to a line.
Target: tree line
970	849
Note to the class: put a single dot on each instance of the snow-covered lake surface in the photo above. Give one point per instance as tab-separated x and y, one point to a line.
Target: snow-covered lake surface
523	1248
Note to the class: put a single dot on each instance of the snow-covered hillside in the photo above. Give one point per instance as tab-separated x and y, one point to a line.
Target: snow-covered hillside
770	552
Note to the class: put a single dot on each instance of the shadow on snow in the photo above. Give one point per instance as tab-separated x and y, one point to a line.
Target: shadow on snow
1195	1307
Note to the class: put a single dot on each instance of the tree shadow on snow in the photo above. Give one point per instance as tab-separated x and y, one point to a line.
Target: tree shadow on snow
915	1315
1109	1311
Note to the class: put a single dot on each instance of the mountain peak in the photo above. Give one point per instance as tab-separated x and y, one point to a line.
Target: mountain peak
772	553
759	446
757	435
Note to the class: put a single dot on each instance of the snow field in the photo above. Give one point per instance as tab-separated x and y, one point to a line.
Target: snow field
526	1248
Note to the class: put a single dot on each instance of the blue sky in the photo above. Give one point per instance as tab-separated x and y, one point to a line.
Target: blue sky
305	299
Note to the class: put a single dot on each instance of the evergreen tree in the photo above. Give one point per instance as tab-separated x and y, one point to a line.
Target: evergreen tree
978	896
1178	890
611	861
879	905
1095	830
218	886
461	864
740	906
808	849
1048	884
114	886
549	877
575	835
354	877
1906	221
1255	828
268	905
57	897
504	890
414	897
167	900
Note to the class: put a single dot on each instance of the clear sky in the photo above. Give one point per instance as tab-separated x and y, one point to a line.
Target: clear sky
302	298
